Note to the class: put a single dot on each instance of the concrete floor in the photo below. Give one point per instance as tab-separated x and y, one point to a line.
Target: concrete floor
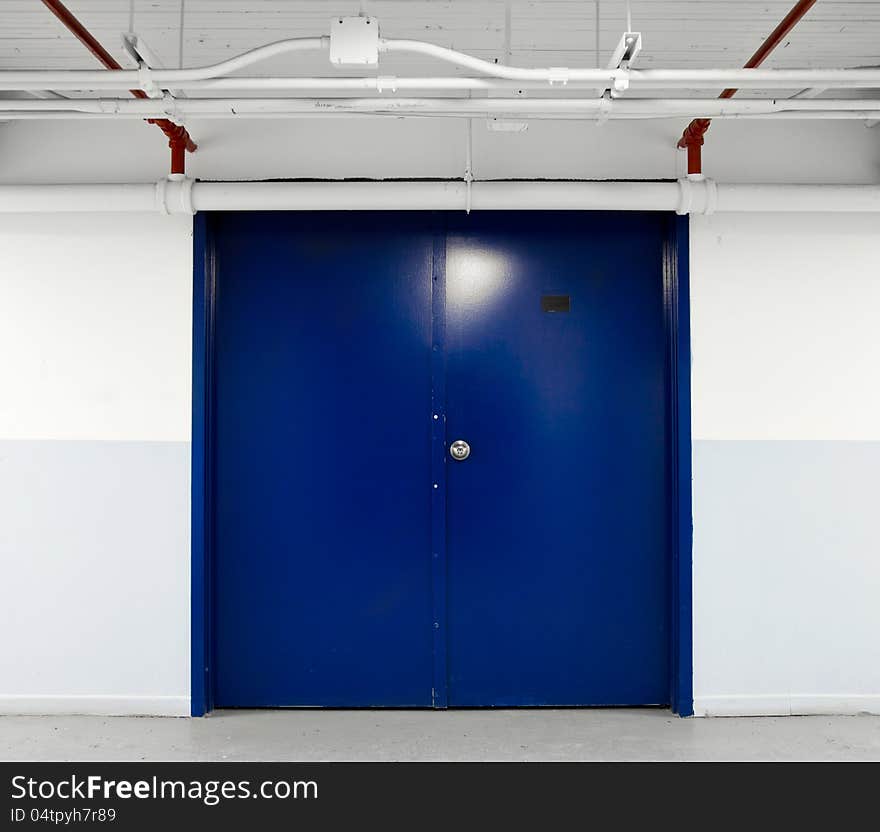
311	735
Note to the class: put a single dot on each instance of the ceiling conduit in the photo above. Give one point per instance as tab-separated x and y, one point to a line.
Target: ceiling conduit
179	140
214	78
554	108
684	196
693	135
155	99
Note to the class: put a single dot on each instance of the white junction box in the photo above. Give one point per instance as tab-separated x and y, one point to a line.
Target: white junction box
354	40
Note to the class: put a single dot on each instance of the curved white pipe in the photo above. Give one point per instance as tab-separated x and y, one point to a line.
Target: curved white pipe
493	70
134	78
741	78
183	196
603	78
246	59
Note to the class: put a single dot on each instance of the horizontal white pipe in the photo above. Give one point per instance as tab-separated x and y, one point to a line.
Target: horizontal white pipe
196	106
638	80
547	107
870	117
635	79
386	83
435	196
684	196
126	79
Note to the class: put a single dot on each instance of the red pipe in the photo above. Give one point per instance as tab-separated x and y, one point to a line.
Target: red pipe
692	137
179	140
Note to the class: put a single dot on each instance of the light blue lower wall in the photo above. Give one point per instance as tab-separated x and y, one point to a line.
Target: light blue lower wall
786	576
94	543
95	547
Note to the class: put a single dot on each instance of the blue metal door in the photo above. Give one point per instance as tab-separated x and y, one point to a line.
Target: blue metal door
322	502
356	563
557	520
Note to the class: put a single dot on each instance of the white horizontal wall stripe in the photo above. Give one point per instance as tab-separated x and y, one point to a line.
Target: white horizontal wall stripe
785	312
95	327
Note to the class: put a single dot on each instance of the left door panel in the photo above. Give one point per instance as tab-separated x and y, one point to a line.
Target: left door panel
322	437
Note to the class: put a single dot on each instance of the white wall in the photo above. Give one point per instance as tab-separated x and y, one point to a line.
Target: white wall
95	408
786	427
95	330
735	151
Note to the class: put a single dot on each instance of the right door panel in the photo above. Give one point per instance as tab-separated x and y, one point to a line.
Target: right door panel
557	520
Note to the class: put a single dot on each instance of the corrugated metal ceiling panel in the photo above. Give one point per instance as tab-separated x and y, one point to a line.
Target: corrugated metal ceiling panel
677	33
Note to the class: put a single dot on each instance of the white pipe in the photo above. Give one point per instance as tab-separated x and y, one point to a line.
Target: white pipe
331	196
217	74
640	80
178	109
183	196
493	70
868	116
128	79
134	78
636	79
562	75
253	56
382	83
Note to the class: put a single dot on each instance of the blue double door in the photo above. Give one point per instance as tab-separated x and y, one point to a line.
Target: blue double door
356	562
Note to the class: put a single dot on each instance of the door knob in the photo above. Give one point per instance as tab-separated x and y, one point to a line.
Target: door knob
459	450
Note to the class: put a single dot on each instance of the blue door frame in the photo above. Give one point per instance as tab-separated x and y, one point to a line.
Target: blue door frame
677	321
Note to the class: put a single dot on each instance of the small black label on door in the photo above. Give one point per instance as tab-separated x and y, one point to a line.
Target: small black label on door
556	303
